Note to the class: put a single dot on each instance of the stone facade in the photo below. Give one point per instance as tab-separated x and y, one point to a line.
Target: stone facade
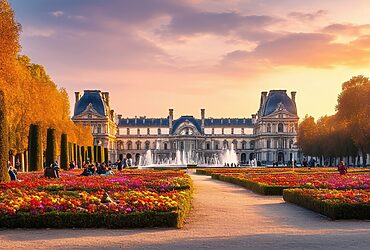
268	136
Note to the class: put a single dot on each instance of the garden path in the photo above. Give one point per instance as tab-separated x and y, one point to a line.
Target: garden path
224	216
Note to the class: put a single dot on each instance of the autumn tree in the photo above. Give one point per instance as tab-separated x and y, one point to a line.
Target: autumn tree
353	110
4	144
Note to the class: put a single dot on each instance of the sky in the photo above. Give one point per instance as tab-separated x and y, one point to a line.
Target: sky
152	55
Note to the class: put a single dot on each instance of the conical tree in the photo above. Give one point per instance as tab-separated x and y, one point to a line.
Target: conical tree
64	151
4	143
35	153
51	152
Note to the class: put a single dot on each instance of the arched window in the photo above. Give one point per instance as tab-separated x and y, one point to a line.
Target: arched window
99	129
268	127
138	145
244	145
216	146
165	146
235	144
208	146
280	127
226	145
129	145
147	145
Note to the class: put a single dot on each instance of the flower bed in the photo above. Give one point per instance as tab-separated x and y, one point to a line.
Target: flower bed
336	204
137	199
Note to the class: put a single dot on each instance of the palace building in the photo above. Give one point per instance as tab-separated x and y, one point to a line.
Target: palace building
268	136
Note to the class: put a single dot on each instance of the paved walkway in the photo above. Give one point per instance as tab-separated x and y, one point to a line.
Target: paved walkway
224	216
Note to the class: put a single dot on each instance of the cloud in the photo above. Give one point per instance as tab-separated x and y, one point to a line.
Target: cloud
303	49
307	17
347	29
57	13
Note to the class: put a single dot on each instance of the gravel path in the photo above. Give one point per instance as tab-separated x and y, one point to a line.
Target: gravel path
224	216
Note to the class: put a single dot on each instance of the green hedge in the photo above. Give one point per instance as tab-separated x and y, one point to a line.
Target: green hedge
333	211
253	186
35	153
64	151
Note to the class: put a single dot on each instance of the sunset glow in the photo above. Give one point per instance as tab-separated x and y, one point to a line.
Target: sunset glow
193	54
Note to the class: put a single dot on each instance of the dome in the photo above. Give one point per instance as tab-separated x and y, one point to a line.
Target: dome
90	96
276	97
189	119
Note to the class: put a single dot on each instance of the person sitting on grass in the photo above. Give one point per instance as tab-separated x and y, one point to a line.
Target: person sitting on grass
342	168
86	172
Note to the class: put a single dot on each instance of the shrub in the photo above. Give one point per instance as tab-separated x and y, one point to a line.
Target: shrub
64	151
35	154
51	152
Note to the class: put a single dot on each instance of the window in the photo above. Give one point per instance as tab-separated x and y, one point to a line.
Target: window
148	131
213	131
138	145
208	147
129	145
147	145
138	131
187	131
291	144
89	116
165	146
268	143
232	131
252	144
159	131
99	129
280	128
226	145
216	146
242	131
223	131
128	131
244	145
269	128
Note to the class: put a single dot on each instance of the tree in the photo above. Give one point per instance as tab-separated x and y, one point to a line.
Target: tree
4	144
35	148
353	110
64	151
51	153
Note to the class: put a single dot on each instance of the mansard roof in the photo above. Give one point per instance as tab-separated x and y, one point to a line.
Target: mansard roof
228	122
276	98
143	122
92	97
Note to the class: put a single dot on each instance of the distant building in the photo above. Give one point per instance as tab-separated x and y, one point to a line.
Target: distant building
268	136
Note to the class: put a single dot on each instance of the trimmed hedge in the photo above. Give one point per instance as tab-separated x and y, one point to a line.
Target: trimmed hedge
51	148
64	151
4	143
253	186
333	211
35	154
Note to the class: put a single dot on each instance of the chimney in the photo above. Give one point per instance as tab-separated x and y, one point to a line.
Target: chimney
202	115
106	97
293	93
170	118
254	118
78	96
263	100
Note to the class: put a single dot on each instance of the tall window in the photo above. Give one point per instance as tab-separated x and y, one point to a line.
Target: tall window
216	146
244	145
268	143
223	131
99	129
147	145
226	144
138	145
128	131
252	144
291	144
148	131
242	131
159	131
165	146
213	131
138	131
268	127
208	147
280	128
129	145
232	131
